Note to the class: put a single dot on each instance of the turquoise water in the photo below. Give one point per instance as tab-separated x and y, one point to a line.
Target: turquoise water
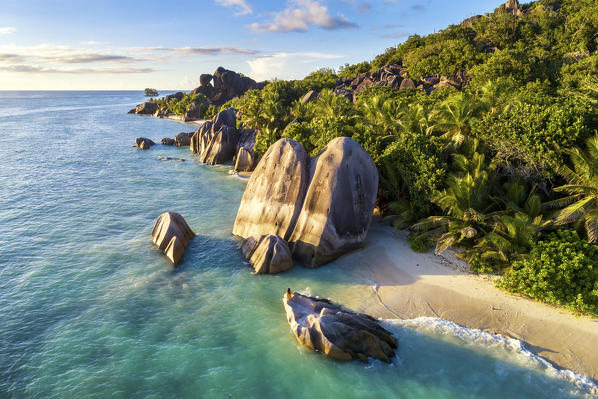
89	309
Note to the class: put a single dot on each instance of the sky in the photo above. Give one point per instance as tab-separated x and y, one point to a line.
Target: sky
130	45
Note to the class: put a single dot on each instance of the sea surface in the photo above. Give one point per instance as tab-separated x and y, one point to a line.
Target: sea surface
90	309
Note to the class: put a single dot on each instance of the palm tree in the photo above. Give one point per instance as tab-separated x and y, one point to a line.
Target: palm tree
581	204
455	116
466	204
415	118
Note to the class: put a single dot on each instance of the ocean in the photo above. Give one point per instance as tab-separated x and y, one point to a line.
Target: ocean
90	309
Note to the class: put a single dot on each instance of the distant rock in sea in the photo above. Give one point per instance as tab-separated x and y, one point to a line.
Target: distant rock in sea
144	143
336	332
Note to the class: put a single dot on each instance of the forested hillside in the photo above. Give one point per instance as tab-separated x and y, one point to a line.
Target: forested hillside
500	161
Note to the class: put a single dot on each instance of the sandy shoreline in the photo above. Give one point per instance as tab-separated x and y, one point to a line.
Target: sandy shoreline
410	285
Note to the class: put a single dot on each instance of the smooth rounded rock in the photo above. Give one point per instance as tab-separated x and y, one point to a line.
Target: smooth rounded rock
338	206
268	254
171	234
274	194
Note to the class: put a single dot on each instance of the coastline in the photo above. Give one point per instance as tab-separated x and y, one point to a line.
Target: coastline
410	285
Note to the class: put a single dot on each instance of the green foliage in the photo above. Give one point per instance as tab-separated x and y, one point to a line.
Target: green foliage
180	107
561	270
581	204
324	78
532	138
411	172
350	71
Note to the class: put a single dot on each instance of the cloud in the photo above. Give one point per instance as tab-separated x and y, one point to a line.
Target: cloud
285	65
241	5
61	55
300	15
201	50
40	69
11	58
6	30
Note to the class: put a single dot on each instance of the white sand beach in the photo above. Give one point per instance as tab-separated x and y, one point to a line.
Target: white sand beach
410	285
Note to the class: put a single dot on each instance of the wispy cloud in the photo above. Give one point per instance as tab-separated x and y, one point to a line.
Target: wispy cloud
54	54
201	50
286	65
240	5
300	15
5	30
43	70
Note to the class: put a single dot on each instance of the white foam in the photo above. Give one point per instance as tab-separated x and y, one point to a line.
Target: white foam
516	349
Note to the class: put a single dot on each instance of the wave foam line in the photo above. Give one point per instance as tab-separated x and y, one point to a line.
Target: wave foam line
440	326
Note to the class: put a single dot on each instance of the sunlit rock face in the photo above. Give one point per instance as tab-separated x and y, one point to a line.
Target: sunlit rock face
274	194
171	234
337	332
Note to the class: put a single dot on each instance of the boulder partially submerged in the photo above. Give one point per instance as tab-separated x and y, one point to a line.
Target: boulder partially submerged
337	332
171	234
144	143
268	254
167	141
146	108
183	139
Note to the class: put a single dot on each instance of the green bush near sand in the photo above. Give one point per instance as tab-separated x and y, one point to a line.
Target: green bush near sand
561	270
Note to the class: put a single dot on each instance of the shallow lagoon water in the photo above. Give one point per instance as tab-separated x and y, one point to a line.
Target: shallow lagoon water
90	309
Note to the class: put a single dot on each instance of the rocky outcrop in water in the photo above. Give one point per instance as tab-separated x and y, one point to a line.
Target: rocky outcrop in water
225	85
167	141
144	143
183	139
322	206
336	332
171	234
268	254
273	197
146	108
216	140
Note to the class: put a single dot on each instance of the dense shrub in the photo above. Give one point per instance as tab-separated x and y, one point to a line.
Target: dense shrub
561	270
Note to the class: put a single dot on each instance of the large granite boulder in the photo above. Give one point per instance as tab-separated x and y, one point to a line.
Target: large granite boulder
183	139
323	207
245	158
147	108
338	205
268	254
178	95
407	84
171	234
274	194
167	141
205	79
218	146
216	141
336	332
193	112
244	161
144	143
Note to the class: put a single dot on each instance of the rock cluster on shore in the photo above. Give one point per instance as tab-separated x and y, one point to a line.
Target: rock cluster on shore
321	206
336	332
171	234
